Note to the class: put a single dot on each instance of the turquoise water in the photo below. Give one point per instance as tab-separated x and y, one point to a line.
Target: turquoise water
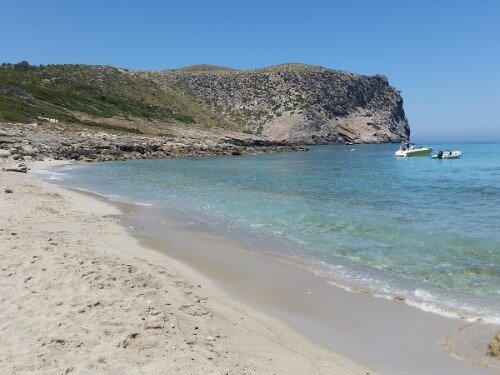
425	230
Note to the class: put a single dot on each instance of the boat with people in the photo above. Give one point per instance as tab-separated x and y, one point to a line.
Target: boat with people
447	155
409	149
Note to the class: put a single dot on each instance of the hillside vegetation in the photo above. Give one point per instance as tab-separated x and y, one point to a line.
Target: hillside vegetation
65	92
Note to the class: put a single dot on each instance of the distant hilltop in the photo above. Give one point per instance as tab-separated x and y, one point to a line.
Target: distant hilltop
292	103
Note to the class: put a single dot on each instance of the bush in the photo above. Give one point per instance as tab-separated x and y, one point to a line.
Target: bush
22	66
185	119
13	116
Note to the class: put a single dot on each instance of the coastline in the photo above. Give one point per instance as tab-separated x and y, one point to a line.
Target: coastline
176	188
336	320
387	335
81	295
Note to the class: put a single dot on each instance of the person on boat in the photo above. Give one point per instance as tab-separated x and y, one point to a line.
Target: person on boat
440	154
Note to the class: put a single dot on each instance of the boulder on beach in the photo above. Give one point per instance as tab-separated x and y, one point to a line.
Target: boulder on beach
28	149
494	346
4	153
17	157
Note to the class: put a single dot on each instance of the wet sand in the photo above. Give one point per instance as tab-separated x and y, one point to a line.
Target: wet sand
386	335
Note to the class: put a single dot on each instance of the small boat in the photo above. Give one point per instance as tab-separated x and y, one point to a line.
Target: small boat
447	155
412	150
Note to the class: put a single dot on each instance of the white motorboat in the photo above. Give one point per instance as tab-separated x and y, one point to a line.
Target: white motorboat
411	149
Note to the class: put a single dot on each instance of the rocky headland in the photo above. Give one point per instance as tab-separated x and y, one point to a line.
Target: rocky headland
100	113
297	103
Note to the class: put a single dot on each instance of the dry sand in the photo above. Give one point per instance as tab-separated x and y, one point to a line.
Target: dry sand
79	295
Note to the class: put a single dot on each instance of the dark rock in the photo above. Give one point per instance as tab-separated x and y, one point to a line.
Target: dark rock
17	157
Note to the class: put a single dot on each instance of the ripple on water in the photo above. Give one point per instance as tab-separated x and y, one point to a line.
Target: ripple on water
397	223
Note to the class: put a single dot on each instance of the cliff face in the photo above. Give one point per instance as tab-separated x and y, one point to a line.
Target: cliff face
289	103
298	103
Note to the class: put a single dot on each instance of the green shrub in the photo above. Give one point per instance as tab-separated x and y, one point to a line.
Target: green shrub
13	116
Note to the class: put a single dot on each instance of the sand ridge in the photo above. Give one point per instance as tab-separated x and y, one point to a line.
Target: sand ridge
80	295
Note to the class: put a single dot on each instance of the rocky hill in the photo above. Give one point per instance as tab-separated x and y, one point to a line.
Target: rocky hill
297	103
290	103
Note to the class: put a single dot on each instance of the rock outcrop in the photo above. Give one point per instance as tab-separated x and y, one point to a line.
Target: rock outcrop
297	103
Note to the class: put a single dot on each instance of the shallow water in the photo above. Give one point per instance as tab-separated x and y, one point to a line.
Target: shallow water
424	230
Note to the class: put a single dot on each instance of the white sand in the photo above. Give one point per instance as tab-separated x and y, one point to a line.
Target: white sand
79	295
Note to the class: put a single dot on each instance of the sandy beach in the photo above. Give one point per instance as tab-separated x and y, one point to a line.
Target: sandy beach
272	188
80	295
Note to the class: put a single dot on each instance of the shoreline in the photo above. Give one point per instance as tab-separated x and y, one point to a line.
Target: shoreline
86	297
437	327
339	271
290	309
358	325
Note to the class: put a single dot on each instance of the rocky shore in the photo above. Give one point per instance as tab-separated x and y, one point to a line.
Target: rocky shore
74	142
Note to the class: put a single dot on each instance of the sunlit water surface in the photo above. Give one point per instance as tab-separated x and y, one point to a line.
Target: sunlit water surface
424	230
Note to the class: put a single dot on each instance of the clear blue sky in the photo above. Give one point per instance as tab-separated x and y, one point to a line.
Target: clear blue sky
443	55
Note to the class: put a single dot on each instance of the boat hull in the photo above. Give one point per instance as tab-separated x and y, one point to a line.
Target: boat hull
423	151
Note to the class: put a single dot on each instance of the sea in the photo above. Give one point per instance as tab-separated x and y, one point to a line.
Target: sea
423	231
